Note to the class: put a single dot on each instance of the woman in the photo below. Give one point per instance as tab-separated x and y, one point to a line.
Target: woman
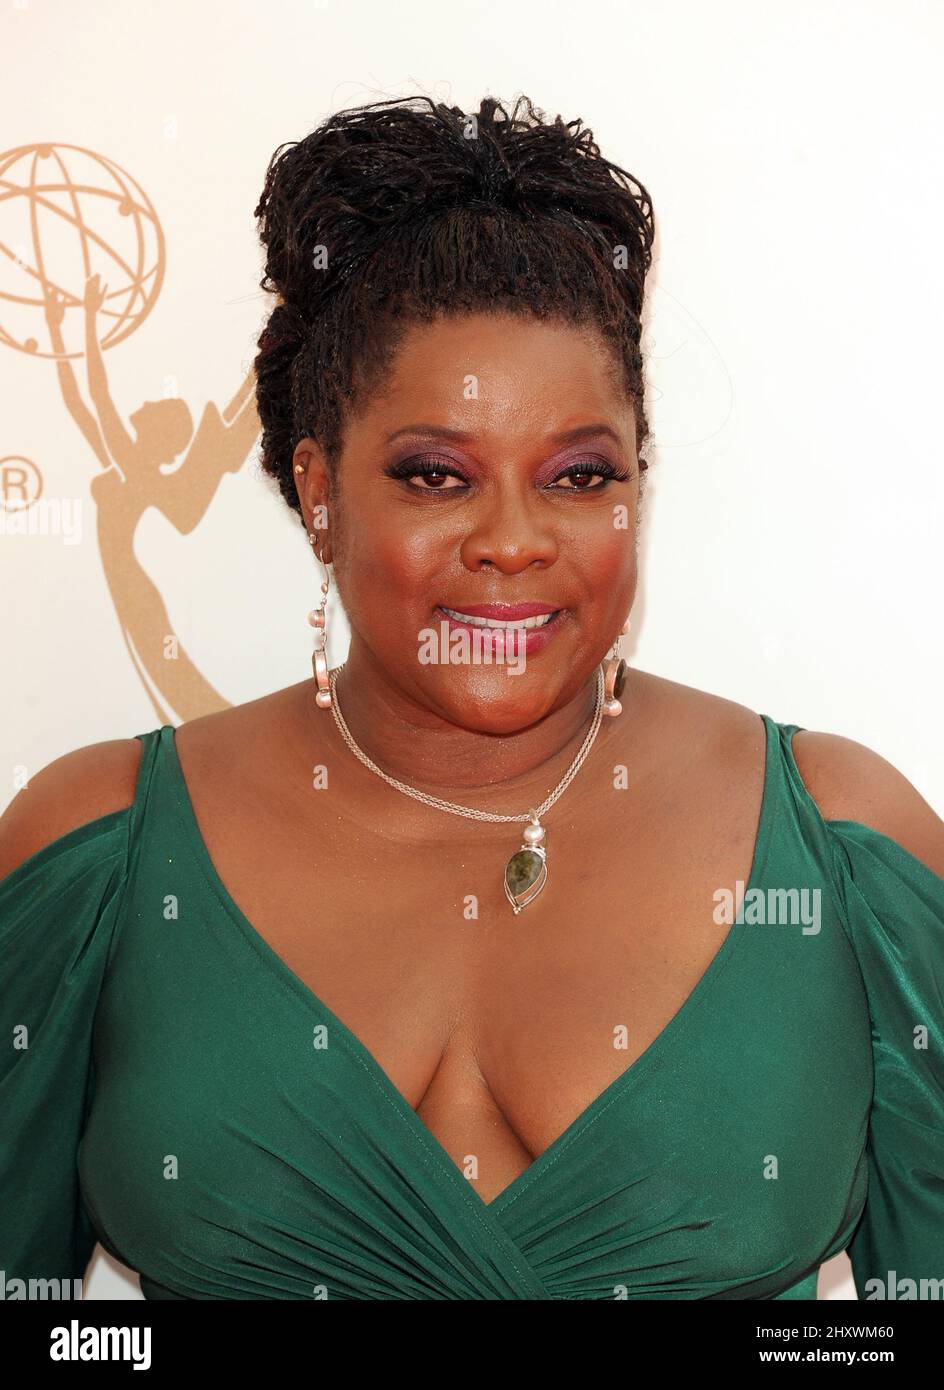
661	1018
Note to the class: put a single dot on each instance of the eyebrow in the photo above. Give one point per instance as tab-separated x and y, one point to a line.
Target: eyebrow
463	436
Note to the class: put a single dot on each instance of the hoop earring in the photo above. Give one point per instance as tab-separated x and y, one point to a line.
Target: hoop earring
319	657
614	678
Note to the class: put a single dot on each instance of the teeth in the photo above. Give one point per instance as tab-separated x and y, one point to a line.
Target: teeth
539	621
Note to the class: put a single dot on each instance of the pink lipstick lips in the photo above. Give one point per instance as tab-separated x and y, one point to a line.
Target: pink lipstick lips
532	625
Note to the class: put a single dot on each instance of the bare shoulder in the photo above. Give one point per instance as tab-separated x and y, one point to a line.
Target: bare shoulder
702	726
847	780
701	757
850	781
241	766
243	737
73	789
90	782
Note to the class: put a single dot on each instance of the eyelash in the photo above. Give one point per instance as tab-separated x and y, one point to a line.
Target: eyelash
409	468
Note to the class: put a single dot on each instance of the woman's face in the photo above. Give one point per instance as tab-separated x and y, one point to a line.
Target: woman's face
532	500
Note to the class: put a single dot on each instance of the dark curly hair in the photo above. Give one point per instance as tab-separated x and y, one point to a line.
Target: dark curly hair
403	210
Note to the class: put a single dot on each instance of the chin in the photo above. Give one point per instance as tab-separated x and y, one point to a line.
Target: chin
504	706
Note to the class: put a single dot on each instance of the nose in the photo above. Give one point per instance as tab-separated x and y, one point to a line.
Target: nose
511	534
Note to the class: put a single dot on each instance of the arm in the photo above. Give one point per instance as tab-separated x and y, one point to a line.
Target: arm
73	789
848	781
216	448
77	408
889	863
117	438
63	862
240	397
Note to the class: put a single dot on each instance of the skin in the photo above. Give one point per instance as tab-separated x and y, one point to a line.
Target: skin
498	1030
517	531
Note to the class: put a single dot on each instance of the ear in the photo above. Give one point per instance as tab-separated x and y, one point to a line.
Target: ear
310	471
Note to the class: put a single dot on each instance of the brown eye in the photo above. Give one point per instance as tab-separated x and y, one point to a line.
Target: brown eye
581	481
581	475
433	471
434	477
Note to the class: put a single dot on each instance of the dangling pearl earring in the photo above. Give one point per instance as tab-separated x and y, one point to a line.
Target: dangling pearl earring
319	657
614	678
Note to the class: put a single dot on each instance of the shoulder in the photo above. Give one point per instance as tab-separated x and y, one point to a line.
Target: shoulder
846	780
850	781
73	789
701	749
700	724
246	738
92	781
240	762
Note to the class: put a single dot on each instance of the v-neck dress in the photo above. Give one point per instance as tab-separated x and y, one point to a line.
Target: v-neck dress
170	1088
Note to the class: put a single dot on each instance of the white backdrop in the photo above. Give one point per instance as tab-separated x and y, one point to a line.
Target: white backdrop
792	152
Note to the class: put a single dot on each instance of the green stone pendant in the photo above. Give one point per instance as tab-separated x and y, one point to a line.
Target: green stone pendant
526	872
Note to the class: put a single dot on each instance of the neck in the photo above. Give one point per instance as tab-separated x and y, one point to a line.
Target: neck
425	750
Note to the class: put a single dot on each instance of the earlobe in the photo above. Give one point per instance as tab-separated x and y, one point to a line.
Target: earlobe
323	552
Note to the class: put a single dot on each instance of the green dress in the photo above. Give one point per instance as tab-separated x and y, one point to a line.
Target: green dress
188	1102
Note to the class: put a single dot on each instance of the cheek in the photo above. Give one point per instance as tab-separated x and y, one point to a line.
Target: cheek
395	571
413	557
606	558
617	553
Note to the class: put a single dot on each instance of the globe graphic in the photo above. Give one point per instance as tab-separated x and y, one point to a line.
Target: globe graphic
67	213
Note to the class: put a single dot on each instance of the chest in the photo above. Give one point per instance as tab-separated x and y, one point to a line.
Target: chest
230	1152
497	1029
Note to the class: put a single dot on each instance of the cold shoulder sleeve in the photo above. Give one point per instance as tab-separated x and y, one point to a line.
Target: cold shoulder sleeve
894	914
58	913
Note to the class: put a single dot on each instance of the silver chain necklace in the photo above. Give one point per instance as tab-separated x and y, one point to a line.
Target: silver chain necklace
526	871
